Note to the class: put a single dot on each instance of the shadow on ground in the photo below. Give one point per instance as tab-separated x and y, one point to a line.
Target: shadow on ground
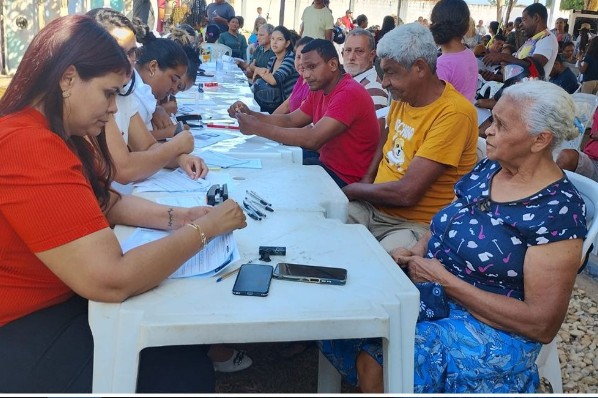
271	373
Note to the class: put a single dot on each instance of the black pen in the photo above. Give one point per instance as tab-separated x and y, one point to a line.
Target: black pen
250	213
258	198
253	207
261	205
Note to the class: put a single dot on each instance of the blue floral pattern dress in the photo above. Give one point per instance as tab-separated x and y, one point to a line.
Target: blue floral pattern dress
484	243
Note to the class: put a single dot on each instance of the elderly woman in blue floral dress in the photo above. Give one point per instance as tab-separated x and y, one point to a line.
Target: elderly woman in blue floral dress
506	251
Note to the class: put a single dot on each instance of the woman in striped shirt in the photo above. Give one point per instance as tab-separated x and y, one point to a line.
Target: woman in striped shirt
281	70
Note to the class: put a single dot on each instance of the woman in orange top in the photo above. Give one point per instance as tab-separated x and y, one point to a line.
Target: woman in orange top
57	249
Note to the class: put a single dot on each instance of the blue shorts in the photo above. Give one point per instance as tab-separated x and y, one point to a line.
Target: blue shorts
458	354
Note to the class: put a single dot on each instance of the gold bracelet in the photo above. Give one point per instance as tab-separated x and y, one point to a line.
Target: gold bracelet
201	234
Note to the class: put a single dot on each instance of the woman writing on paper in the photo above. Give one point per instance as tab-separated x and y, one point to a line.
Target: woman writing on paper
135	152
56	208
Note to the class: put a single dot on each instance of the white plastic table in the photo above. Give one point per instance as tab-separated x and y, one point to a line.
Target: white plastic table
377	301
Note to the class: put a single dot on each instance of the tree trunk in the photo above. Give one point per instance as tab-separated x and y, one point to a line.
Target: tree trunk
509	7
499	6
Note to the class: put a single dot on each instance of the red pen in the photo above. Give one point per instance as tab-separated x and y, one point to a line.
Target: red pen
222	126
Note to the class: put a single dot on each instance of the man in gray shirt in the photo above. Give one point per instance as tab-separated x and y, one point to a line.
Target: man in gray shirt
219	13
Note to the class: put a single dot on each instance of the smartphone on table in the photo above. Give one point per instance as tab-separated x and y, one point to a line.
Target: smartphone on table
310	273
253	280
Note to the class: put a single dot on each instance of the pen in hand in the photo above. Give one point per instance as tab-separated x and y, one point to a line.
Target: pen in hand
223	277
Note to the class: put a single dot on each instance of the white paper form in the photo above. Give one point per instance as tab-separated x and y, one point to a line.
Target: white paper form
205	137
221	160
183	201
218	253
179	181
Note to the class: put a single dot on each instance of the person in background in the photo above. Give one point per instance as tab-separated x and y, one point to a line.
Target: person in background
280	71
345	132
388	24
58	250
485	40
347	20
317	21
568	56
252	40
471	38
492	31
514	229
541	45
517	36
480	29
562	76
430	142
361	21
358	61
262	54
559	31
457	64
234	39
219	13
301	88
588	67
583	39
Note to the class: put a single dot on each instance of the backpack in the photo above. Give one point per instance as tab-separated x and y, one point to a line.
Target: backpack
338	35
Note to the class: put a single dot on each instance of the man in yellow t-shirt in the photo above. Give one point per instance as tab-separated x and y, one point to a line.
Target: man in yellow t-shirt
430	143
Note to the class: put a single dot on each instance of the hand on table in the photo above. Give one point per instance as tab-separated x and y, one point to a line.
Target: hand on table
224	218
192	165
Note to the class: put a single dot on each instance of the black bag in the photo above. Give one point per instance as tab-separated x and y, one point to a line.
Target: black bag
432	301
338	35
268	97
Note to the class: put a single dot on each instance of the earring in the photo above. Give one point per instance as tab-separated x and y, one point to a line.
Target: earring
66	94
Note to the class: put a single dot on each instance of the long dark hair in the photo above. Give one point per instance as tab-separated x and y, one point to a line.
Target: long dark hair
79	41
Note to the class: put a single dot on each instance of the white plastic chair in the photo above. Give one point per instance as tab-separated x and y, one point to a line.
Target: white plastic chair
382	112
216	49
548	362
481	149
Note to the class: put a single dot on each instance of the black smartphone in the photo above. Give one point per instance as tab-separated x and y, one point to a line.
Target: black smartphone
310	273
253	280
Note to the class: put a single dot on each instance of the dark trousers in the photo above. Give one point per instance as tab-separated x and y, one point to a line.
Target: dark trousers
51	351
315	161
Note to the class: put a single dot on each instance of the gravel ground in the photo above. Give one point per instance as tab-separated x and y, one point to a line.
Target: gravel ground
576	341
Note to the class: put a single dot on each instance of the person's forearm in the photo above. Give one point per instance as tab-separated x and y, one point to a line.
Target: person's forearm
162	134
292	136
502	312
269	78
139	212
392	194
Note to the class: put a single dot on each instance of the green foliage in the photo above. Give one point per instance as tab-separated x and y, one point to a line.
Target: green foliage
571	4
